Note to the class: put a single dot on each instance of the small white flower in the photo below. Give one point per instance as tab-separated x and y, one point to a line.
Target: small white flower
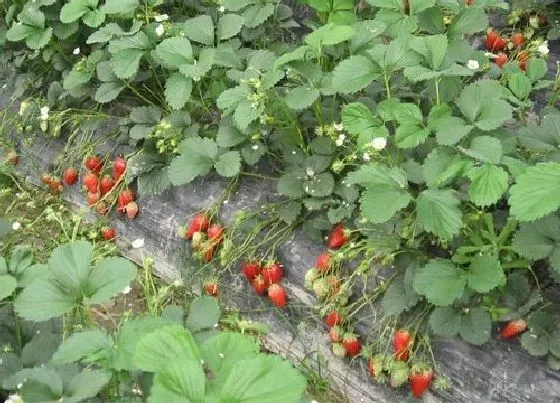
126	290
160	30
221	9
543	48
339	142
366	157
4	86
379	143
310	172
16	225
473	65
22	108
161	17
338	127
178	283
76	51
342	137
19	385
255	147
138	243
45	112
221	355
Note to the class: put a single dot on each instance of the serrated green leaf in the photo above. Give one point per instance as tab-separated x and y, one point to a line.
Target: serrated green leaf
450	130
257	14
445	321
440	281
442	166
228	164
469	21
410	136
354	74
291	184
539	240
229	26
197	158
476	326
488	184
289	212
520	85
7	285
200	29
439	213
75	9
301	97
486	149
204	312
485	273
493	114
330	34
120	6
357	118
175	51
536	69
84	345
177	90
380	203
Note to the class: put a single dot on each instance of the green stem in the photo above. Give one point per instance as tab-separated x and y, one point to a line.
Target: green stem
437	92
387	86
270	178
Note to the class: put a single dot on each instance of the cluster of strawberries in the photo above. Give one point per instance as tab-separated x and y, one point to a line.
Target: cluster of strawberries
498	43
343	343
266	279
205	236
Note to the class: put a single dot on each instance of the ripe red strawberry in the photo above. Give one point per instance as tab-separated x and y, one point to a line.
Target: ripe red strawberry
273	273
501	59
132	210
259	284
336	334
518	39
513	328
91	182
401	344
495	42
102	208
108	233
277	295
200	222
323	262
338	350
211	288
251	269
333	318
70	176
12	158
93	198
119	168
106	184
55	185
197	240
216	233
469	2
94	163
46	178
338	237
351	344
124	197
420	381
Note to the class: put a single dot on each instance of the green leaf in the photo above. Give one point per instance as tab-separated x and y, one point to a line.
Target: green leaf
379	204
229	26
42	300
357	119
439	213
476	326
291	185
440	281
197	158
410	136
200	29
534	344
488	184
228	135
420	73
83	345
399	297
127	53
485	273
539	240
477	95
432	47
154	182
289	212
109	277
175	51
94	18
451	129
258	14
442	166
245	113
108	92
469	21
520	85
536	193
320	185
7	286
330	34
301	97
120	6
204	312
228	164
86	385
177	90
376	174
75	9
536	69
182	380
408	114
445	321
232	97
493	114
234	347
354	74
70	265
486	149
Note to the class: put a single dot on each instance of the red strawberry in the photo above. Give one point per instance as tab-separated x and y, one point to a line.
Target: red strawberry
108	233
336	334
338	350
106	184
55	185
518	39
323	262
200	222
93	198
420	381
131	210
216	233
94	163
259	284
70	176
501	59
197	240
277	295
12	158
207	253
102	208
124	197
333	318
251	269
211	288
372	367
119	168
495	42
513	328
273	273
46	178
401	345
522	59
469	2
338	237
91	182
351	344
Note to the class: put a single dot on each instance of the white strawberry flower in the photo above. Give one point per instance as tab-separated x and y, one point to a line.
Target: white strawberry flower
340	140
45	112
473	65
338	127
138	243
366	157
221	9
160	30
543	48
161	17
76	51
126	290
16	225
379	143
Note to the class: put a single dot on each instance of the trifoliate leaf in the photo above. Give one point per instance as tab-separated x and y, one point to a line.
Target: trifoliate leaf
357	118
196	158
440	281
451	130
485	273
488	184
200	29
442	166
486	149
439	213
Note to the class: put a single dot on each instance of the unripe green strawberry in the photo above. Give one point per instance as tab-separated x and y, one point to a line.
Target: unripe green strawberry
338	350
310	278
321	288
398	373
